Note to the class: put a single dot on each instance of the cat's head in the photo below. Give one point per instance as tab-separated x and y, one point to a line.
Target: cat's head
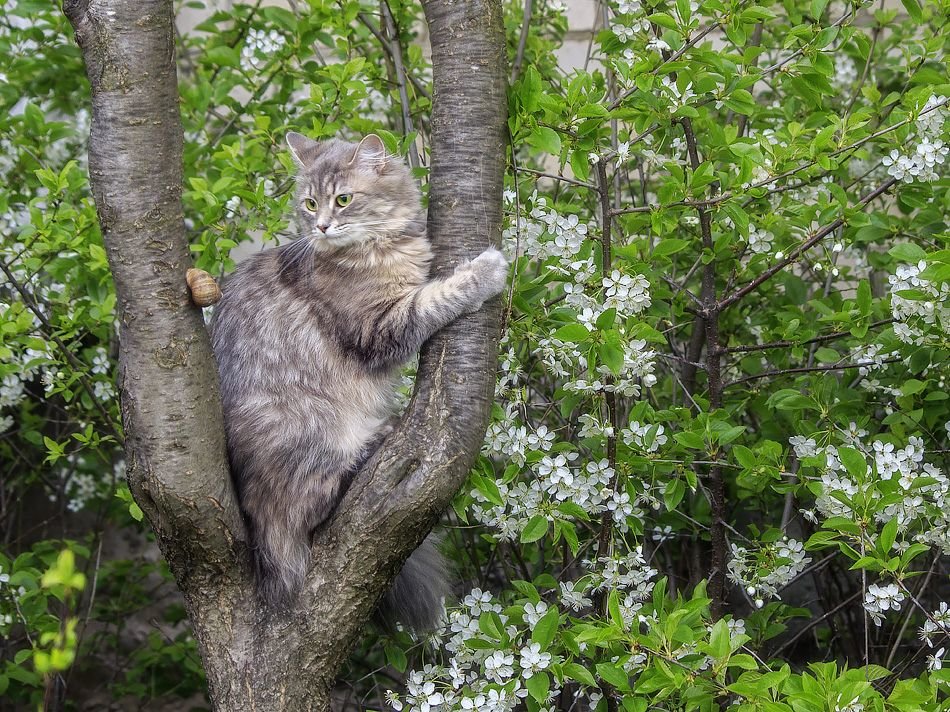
351	194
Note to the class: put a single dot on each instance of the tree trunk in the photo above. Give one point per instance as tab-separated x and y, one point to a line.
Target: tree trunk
257	660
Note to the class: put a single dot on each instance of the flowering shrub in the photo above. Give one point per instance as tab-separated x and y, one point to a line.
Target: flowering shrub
723	376
716	469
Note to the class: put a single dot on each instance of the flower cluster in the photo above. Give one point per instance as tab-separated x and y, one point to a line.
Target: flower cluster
760	240
763	571
492	654
892	481
625	293
923	162
920	165
259	48
878	599
918	304
937	625
483	673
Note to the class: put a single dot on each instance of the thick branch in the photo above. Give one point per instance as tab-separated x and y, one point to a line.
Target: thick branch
167	377
710	323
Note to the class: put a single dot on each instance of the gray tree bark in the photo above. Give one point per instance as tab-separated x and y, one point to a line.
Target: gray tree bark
256	660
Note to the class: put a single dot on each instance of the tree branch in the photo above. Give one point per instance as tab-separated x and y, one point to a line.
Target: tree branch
710	326
805	369
399	68
789	343
793	256
522	40
258	658
167	376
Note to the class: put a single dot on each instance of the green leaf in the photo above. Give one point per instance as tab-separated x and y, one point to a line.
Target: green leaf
663	20
536	528
580	164
673	494
136	512
611	355
223	56
538	685
613	608
545	139
745	457
821	540
579	673
913	9
530	89
490	624
569	531
888	535
396	657
854	462
572	333
907	252
546	628
826	355
744	661
669	246
606	319
614	675
719	645
694	441
488	488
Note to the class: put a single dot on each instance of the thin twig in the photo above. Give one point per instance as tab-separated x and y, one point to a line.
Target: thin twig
798	251
395	51
522	41
788	343
555	176
723	197
797	53
604	539
78	365
805	369
368	24
813	624
693	41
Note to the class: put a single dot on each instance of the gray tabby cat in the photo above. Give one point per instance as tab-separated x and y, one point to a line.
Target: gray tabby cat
309	339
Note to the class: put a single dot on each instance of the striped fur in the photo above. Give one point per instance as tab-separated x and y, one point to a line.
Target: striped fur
309	339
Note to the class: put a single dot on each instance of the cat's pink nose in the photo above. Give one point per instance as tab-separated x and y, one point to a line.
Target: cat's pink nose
322	226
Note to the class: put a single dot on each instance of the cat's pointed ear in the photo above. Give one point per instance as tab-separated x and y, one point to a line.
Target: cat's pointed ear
303	149
370	153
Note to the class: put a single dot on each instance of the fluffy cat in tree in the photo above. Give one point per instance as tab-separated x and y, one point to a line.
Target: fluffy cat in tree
310	338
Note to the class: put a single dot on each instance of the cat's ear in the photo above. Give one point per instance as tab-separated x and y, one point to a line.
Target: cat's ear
370	153
303	149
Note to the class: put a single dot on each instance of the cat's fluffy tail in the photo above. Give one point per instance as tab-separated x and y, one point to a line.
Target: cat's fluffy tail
416	598
280	560
418	593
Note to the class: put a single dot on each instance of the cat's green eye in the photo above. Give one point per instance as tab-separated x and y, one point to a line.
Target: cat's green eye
344	199
310	204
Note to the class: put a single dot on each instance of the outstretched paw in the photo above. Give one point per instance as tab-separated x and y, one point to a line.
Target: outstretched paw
491	272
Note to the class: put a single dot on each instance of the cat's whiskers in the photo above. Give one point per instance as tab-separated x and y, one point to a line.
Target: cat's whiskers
296	252
388	221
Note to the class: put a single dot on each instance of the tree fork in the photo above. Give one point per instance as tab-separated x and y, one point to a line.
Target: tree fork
257	659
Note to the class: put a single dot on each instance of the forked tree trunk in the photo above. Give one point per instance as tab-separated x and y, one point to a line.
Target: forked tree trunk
171	410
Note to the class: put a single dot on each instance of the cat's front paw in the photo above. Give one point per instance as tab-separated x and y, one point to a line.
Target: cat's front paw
491	273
